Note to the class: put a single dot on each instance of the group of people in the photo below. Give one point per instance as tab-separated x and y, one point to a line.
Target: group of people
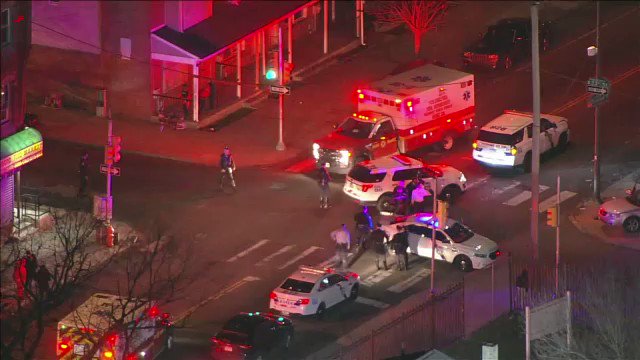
26	271
412	198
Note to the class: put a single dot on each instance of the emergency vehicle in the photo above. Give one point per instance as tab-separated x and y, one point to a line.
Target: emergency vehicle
507	140
372	182
92	324
311	290
428	105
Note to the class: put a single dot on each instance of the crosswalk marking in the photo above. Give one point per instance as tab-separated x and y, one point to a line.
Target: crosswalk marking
522	197
299	257
372	302
279	252
245	252
506	188
376	277
410	281
480	181
564	195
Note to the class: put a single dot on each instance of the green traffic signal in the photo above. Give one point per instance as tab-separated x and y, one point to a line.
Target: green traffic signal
271	74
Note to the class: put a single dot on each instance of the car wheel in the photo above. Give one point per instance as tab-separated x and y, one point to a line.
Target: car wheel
321	310
507	63
463	263
447	142
450	192
562	142
631	224
385	203
526	164
354	292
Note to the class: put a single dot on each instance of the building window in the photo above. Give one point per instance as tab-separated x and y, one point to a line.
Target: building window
4	109
125	48
6	27
300	15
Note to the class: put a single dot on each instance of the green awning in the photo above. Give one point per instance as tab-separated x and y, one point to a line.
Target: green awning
19	141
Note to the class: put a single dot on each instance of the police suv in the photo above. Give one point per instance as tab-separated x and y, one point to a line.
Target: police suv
506	141
371	182
311	290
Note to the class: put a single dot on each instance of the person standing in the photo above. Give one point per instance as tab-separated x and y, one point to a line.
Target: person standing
400	198
43	276
417	199
186	101
227	167
342	239
400	243
31	264
364	225
379	239
84	175
324	181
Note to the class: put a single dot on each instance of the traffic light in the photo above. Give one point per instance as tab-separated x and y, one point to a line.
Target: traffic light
271	74
552	216
112	152
272	67
443	212
288	69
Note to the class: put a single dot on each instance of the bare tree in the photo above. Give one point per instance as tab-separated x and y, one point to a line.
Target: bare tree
419	16
606	319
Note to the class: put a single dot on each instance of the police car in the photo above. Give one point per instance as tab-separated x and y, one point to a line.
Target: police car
506	141
371	182
312	290
455	243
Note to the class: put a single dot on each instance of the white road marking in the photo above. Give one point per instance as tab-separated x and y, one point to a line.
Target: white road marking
279	252
328	262
217	296
410	281
372	302
299	257
522	197
564	195
506	188
477	182
244	253
376	277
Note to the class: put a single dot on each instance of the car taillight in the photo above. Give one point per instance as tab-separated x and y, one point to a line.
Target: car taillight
244	347
304	301
354	275
603	212
498	253
493	57
63	346
273	296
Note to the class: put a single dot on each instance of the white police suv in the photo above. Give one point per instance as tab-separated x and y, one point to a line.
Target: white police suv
311	290
371	182
506	141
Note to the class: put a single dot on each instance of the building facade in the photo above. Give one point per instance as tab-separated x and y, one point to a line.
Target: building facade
19	145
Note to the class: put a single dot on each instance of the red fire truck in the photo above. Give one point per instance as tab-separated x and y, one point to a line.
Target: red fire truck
428	105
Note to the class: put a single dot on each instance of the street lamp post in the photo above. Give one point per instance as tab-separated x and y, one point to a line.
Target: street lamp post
280	146
535	151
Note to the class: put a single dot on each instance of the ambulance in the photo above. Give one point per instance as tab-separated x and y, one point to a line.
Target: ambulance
428	105
92	325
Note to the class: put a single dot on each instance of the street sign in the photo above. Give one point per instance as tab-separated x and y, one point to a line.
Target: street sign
598	86
280	89
115	171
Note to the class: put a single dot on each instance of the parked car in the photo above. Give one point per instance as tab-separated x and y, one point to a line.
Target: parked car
623	211
505	43
252	336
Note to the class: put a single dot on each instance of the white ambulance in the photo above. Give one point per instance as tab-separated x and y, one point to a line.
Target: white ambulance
506	141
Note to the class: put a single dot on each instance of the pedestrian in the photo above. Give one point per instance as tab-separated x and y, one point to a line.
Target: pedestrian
324	181
364	225
227	167
379	238
31	264
20	276
522	285
342	239
417	198
186	101
43	277
413	184
84	175
400	245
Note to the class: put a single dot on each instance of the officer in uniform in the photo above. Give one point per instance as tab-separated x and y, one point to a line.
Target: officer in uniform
227	167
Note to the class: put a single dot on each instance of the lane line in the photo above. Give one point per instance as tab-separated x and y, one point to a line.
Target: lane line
409	282
477	182
299	257
522	197
376	277
372	302
245	252
277	253
564	195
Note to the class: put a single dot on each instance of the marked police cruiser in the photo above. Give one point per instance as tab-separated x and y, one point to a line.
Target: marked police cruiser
311	290
506	141
371	182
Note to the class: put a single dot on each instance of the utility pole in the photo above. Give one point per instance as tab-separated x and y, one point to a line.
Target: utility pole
362	43
557	230
280	146
433	239
535	156
596	123
109	143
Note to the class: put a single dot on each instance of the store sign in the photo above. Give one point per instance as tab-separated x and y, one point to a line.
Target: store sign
21	157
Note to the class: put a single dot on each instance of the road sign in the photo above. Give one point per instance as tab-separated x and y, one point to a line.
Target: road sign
115	171
598	86
280	89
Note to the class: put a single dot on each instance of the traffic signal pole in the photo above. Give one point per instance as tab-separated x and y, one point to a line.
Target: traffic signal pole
535	152
596	123
557	231
280	146
109	143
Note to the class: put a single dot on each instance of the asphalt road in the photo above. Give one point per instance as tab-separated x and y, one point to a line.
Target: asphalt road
280	210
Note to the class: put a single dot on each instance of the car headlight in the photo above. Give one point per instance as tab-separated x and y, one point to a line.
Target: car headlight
344	157
316	151
463	179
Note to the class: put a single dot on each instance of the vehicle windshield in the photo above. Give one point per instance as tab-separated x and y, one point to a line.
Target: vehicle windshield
356	129
363	174
297	285
233	337
459	233
500	138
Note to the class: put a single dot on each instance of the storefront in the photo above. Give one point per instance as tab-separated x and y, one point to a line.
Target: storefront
16	150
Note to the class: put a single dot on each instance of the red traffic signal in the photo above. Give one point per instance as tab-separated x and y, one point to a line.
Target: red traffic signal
288	69
112	152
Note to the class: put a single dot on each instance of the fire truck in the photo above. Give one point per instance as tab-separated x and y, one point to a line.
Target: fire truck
428	105
91	325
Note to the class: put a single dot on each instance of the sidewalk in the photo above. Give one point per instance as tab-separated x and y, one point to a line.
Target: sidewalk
587	221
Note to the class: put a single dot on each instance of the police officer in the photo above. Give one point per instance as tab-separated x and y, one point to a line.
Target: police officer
323	181
400	243
364	225
379	239
227	167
